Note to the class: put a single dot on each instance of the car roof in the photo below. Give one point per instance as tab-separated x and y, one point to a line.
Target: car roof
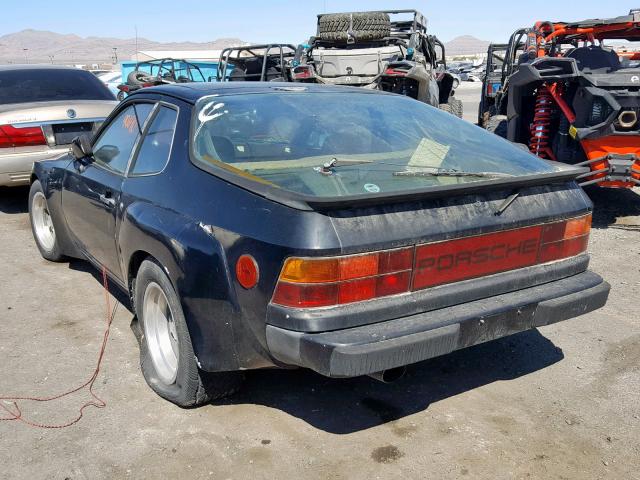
192	92
36	66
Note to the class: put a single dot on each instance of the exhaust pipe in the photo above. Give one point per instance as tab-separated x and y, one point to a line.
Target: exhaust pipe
389	376
627	119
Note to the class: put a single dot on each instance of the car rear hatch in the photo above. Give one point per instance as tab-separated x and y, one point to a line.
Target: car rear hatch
407	258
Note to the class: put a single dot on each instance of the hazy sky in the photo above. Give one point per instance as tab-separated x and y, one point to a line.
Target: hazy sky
285	21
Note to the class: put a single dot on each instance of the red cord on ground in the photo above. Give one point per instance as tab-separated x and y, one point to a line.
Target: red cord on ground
16	414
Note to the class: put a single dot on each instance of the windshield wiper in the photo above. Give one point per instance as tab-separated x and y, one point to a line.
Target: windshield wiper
327	168
450	173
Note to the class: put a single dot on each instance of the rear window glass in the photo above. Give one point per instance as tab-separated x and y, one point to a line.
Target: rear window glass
343	144
47	85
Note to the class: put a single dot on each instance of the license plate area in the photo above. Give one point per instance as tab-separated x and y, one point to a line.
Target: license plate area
64	133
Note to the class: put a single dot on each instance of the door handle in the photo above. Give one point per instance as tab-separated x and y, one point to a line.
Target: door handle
107	199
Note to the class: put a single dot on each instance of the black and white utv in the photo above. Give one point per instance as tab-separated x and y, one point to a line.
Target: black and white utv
364	49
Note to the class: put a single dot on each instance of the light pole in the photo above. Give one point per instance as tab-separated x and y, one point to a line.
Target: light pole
26	55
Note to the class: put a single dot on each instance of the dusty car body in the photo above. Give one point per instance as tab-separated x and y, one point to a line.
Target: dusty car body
42	108
247	242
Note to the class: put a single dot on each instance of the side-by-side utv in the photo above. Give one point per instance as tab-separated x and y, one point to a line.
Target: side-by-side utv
570	97
363	49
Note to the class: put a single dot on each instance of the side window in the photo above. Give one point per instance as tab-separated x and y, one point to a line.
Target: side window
113	148
156	144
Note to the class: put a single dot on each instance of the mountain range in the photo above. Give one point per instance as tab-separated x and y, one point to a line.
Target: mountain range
466	45
37	46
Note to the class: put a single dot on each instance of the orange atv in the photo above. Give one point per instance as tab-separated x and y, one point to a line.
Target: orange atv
571	98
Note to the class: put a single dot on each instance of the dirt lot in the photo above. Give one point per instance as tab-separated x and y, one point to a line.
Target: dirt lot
562	402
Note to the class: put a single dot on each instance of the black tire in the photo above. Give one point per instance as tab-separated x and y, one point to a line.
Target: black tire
192	386
454	107
139	78
52	253
363	26
498	124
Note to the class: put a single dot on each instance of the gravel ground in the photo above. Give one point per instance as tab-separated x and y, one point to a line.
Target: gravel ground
561	402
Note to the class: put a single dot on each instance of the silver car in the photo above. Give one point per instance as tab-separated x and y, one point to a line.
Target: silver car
42	108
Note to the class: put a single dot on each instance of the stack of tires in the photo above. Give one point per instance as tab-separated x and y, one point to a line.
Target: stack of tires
354	27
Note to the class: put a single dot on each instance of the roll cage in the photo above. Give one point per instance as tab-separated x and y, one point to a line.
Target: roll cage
169	69
278	55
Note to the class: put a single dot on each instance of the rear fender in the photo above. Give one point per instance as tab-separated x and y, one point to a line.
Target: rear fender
50	174
180	245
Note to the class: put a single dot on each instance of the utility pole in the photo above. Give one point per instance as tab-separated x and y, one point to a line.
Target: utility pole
115	55
26	55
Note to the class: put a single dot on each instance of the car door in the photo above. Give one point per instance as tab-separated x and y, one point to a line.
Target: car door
92	188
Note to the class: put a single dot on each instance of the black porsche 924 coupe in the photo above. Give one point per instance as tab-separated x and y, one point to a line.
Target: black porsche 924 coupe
343	230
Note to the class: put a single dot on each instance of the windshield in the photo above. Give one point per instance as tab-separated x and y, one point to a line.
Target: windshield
342	144
50	84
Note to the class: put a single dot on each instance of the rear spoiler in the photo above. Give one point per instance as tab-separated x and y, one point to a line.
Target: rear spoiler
309	202
471	188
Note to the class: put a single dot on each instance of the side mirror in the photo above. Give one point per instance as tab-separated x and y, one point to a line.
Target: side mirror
81	147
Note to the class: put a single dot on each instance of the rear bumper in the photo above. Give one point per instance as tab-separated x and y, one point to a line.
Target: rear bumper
372	348
15	168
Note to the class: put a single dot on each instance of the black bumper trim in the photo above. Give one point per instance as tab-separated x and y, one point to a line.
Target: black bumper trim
394	343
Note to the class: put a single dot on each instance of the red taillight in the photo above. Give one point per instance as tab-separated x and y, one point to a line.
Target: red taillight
12	136
318	282
302	72
123	87
394	72
565	239
327	281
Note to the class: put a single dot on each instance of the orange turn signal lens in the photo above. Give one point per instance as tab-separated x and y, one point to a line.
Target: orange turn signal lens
577	227
307	270
574	227
565	239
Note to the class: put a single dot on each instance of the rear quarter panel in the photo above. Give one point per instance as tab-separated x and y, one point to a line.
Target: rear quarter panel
50	174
